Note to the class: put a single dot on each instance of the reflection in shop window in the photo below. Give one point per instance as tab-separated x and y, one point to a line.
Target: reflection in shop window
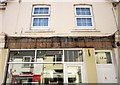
41	73
52	74
46	66
28	59
103	58
73	56
49	55
18	56
74	75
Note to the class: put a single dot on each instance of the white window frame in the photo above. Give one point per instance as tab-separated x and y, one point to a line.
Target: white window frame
84	16
40	27
41	7
105	51
84	27
40	16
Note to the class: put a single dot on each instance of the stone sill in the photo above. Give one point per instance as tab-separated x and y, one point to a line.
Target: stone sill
40	31
85	30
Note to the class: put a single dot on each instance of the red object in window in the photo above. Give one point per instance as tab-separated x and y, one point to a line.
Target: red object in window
14	80
36	78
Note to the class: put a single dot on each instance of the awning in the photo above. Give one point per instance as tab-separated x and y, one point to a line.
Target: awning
105	42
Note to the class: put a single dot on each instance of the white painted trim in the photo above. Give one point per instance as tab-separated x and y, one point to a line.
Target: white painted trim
103	51
48	49
45	62
35	56
33	62
63	57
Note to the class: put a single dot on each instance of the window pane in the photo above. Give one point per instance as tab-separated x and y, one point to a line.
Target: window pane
39	10
83	11
78	11
40	22
53	74
84	21
73	56
49	55
28	59
20	56
36	11
109	60
89	22
103	58
87	11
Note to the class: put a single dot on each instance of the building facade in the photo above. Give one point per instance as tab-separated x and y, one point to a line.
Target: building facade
56	42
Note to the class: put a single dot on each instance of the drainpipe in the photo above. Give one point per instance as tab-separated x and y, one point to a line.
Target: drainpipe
116	5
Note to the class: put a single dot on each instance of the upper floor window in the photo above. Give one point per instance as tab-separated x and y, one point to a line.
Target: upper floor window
40	17
41	10
84	17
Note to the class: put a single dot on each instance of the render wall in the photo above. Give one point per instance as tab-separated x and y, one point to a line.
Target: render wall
17	18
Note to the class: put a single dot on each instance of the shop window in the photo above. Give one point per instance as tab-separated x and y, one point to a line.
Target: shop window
28	59
73	56
57	58
18	56
49	55
53	74
41	66
17	70
103	57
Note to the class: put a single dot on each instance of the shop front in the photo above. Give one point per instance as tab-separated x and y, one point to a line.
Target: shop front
59	60
48	66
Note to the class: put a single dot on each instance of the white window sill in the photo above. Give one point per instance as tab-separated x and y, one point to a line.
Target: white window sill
39	31
85	30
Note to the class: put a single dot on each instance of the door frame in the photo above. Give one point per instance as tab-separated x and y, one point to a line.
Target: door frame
83	72
102	66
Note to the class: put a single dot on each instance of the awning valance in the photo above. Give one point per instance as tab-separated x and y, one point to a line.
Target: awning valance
59	42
